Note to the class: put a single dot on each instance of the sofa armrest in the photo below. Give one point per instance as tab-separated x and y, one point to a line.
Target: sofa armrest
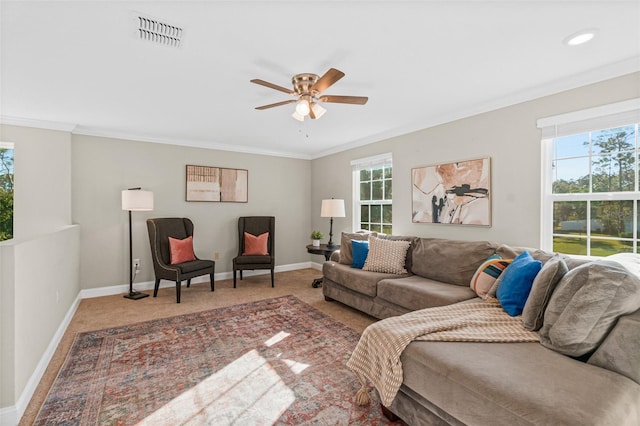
335	256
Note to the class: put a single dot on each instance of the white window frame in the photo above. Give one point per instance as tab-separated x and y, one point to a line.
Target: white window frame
588	120
366	163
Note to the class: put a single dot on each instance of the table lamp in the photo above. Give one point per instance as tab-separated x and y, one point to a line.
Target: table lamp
332	208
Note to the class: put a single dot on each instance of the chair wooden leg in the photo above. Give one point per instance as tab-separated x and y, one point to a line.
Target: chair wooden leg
188	283
156	287
178	291
272	281
240	274
234	278
211	276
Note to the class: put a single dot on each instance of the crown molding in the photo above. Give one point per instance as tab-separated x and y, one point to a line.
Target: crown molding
617	69
38	124
87	131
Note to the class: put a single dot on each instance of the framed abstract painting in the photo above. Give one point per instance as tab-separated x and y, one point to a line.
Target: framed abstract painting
204	183
452	193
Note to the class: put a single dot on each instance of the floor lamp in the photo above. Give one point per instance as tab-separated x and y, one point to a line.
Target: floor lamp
332	208
134	199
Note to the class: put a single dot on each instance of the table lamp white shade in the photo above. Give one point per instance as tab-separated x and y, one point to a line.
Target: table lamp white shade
137	200
332	208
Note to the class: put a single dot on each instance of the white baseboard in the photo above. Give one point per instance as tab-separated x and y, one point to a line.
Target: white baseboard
9	415
148	285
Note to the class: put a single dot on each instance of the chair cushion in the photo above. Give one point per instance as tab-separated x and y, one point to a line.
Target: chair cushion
194	265
181	250
256	245
249	260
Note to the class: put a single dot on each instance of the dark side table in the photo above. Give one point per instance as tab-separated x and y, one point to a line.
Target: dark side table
324	250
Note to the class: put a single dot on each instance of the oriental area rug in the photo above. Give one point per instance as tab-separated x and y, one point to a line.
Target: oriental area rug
276	361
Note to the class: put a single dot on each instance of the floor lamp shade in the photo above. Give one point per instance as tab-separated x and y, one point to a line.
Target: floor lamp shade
332	208
135	199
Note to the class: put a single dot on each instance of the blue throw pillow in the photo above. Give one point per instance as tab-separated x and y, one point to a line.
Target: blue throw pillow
360	251
516	283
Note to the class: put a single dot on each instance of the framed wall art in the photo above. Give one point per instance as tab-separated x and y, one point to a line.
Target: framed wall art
452	193
204	183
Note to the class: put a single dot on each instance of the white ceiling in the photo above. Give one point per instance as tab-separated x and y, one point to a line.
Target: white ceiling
420	63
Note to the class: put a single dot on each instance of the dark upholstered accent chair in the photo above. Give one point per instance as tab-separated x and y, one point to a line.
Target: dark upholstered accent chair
180	228
255	225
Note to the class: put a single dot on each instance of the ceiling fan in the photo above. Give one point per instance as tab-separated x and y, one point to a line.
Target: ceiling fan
307	89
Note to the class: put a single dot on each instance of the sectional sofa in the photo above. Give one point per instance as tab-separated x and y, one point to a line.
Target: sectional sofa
584	371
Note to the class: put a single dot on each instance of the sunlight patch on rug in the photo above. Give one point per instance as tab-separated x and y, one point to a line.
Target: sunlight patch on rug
247	391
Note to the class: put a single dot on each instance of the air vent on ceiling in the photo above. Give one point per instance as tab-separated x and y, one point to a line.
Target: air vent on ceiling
159	32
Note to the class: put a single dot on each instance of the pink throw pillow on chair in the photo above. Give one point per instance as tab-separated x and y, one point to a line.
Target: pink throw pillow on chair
181	250
255	245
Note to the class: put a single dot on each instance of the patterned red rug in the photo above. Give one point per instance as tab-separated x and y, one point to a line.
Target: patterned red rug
275	361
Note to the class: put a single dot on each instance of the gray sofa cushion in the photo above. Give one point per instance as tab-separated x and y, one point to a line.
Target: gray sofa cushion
416	292
450	261
586	304
364	282
620	351
517	384
346	251
543	286
508	252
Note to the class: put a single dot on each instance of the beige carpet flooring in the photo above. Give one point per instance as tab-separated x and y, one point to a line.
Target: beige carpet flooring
112	311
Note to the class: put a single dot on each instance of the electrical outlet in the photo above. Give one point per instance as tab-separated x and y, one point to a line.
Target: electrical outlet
216	255
136	264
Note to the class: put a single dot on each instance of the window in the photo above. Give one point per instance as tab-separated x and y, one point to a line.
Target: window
372	193
6	191
591	190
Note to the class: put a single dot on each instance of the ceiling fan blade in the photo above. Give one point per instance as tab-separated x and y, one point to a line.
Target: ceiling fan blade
272	86
356	100
312	114
276	104
326	80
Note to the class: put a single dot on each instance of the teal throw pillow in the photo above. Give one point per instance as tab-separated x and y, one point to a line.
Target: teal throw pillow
360	251
516	283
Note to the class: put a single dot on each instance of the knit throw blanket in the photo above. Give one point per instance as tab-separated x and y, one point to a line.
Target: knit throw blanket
377	355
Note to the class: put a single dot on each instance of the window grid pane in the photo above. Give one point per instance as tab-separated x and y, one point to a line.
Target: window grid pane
375	198
601	168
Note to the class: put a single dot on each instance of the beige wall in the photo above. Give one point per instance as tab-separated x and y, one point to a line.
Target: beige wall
508	135
39	277
103	167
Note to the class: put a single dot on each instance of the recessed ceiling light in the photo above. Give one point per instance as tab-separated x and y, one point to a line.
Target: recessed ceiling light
580	37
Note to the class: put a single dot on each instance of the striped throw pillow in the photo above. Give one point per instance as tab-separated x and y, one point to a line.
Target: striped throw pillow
487	274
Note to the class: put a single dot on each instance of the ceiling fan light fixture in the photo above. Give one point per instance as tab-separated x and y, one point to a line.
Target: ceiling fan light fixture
297	116
302	107
318	111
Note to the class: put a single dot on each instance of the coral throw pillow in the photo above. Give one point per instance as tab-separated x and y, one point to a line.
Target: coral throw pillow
181	250
255	245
